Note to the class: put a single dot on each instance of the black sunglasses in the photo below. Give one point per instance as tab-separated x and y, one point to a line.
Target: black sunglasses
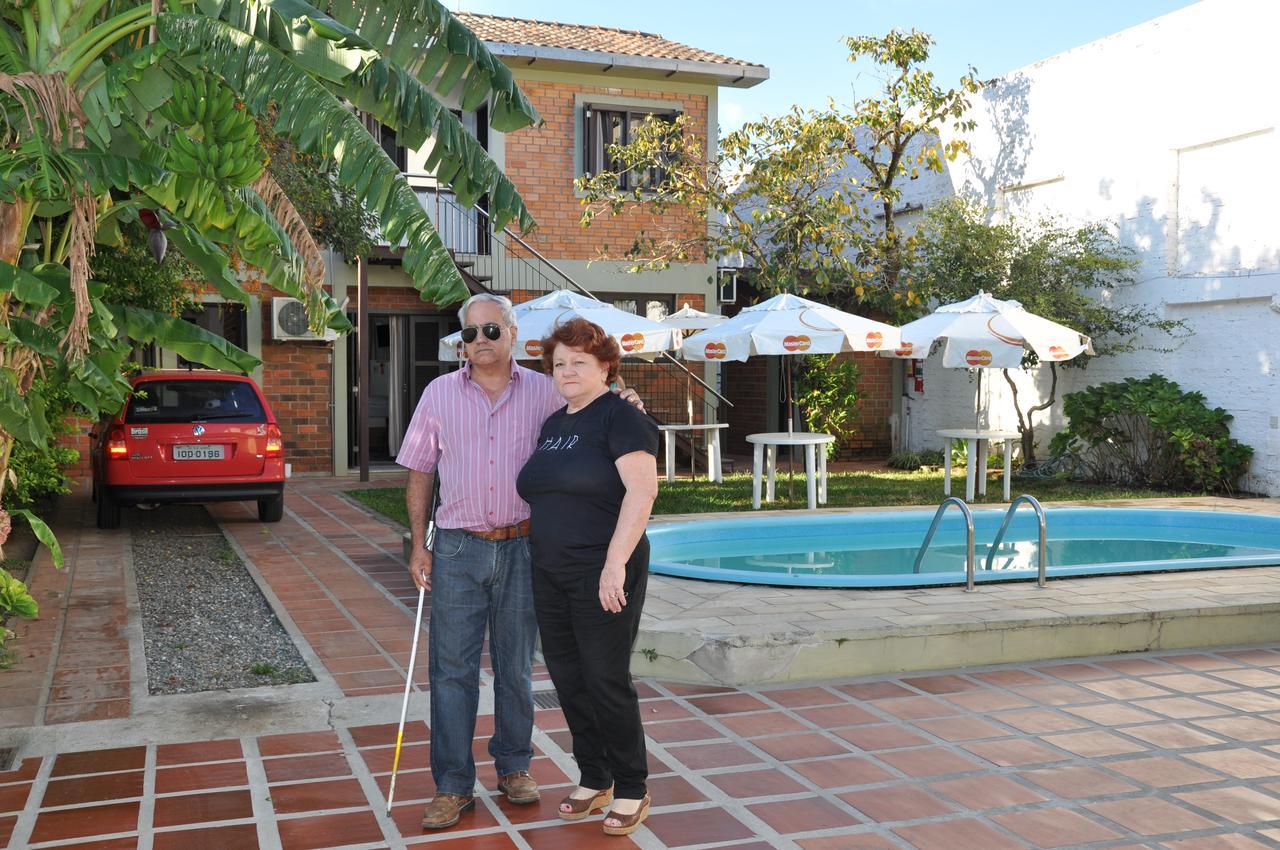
492	330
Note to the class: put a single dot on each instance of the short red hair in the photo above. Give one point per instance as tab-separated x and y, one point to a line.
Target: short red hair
585	336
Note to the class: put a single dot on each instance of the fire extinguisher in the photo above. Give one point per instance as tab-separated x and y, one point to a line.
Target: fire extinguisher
915	371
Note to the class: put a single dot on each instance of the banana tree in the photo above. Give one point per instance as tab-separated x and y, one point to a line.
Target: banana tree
115	112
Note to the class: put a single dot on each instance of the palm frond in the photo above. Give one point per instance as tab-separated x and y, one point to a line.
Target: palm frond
318	122
423	37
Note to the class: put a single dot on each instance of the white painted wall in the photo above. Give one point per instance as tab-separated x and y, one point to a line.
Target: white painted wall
1170	132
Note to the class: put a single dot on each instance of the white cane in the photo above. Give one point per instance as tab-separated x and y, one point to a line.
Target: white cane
404	709
413	657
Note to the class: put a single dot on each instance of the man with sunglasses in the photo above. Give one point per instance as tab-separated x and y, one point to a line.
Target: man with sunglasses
476	427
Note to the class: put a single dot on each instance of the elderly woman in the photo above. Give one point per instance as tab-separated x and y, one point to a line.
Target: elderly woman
590	485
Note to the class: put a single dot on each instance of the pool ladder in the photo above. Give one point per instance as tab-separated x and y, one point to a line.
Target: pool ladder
970	563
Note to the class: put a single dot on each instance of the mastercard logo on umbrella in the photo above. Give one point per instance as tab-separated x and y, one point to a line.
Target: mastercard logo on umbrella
978	357
632	342
715	351
874	340
533	348
905	349
799	342
1057	352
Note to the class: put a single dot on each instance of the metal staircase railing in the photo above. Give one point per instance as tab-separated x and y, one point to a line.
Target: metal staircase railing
969	564
505	262
1041	580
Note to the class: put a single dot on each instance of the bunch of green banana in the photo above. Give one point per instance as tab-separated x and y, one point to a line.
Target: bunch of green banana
218	139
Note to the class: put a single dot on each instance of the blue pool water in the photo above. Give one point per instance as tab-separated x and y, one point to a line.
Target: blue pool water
879	549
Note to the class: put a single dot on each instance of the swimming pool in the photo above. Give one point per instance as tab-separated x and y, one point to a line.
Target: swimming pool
879	549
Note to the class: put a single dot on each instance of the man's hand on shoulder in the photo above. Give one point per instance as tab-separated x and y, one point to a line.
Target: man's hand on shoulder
629	396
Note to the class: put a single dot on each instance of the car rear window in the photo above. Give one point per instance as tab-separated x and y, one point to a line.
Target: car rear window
159	402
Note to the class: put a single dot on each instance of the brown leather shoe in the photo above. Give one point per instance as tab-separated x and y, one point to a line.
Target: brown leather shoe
519	787
445	810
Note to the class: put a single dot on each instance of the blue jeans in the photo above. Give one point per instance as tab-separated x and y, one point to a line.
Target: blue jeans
477	583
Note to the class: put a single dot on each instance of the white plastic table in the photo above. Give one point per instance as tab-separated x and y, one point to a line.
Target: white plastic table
715	467
976	469
817	483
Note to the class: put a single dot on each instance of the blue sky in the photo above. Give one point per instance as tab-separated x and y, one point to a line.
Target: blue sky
801	40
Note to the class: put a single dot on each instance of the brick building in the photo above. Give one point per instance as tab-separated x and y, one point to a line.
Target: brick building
590	84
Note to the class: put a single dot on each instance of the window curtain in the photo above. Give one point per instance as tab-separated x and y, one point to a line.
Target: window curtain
395	386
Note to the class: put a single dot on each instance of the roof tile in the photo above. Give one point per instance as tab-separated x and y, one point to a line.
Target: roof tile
586	37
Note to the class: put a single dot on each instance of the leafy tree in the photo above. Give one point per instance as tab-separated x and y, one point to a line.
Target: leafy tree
895	134
772	195
116	112
780	193
827	392
1063	272
332	211
131	276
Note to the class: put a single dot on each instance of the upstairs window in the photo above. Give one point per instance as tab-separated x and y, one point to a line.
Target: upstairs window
387	139
616	125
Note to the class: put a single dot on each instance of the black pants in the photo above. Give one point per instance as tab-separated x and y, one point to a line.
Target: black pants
588	654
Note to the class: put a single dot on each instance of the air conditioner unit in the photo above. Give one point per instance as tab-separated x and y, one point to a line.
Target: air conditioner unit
728	288
289	322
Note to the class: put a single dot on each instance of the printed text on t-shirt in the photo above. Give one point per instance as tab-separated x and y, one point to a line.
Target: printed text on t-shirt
558	444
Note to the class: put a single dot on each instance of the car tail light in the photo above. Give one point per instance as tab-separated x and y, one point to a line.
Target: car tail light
275	442
117	449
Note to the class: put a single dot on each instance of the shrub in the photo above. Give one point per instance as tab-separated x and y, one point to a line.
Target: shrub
827	392
904	460
14	601
38	472
931	457
960	455
1149	433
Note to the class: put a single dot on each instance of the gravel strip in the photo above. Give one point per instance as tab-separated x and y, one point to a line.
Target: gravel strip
205	623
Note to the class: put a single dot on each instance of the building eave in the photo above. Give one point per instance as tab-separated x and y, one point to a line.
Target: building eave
741	76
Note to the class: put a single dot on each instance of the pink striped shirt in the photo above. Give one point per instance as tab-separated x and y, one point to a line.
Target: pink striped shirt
478	445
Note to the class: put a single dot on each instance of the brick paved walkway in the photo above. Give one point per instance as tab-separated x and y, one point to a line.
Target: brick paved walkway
1177	750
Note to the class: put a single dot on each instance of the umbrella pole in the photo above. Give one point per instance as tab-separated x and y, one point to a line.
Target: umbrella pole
977	403
791	418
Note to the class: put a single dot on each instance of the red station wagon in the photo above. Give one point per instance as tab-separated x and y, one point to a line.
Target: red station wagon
191	436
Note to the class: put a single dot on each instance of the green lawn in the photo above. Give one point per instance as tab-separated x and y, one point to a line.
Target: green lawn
845	490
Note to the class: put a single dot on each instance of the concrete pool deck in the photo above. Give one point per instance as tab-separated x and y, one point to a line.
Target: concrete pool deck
1171	750
720	632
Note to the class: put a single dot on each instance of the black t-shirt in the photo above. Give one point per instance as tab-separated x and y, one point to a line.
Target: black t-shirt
573	487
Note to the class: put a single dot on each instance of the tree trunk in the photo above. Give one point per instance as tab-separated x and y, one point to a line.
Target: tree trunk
1026	427
14	218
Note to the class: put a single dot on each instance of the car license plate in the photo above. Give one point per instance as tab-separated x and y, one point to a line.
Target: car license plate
199	452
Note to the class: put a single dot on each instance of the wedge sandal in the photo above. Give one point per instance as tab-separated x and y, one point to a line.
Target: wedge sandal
582	808
627	824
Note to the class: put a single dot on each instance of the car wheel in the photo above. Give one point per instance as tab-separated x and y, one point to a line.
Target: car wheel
108	510
271	510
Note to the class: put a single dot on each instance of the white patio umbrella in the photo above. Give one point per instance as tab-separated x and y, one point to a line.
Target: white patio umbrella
689	319
789	324
987	333
637	335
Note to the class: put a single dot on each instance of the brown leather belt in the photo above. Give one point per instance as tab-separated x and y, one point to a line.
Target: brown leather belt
507	532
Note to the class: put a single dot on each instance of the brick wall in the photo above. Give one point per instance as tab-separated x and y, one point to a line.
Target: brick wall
875	403
79	440
296	378
400	298
746	384
540	161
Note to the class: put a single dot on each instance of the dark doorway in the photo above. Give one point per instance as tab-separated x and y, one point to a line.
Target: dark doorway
403	359
228	321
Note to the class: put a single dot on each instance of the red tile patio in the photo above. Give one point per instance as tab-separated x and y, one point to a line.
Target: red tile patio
1162	750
